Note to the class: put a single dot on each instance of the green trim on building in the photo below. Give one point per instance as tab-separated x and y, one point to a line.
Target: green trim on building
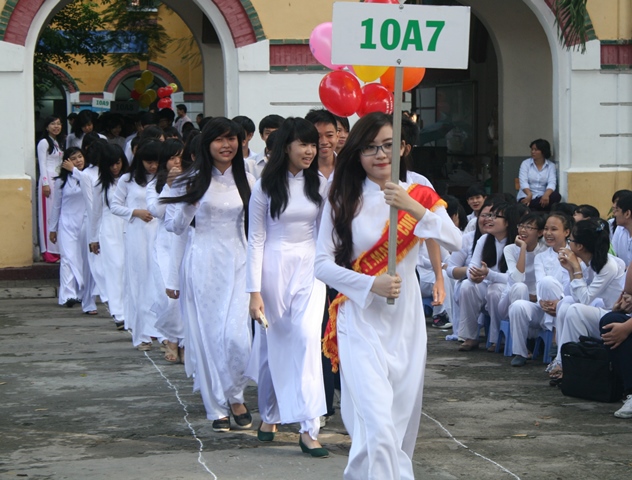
254	19
616	42
5	16
289	41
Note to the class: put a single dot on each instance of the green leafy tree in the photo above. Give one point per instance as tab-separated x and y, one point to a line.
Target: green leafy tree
120	33
573	23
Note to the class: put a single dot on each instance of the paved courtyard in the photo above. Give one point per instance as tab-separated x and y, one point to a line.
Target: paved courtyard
78	402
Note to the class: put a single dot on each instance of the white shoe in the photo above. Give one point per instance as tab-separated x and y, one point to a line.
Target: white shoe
626	410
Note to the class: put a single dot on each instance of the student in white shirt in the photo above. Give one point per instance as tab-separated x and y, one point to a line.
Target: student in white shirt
538	178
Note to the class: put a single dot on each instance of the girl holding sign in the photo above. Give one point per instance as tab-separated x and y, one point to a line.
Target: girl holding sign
381	347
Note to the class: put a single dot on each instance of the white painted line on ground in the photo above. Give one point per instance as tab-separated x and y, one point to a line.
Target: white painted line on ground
201	460
460	444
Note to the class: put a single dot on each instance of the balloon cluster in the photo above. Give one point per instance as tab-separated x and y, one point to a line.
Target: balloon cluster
146	97
340	90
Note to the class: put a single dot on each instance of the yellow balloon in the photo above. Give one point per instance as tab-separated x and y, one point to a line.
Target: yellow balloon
368	73
139	86
152	95
145	100
174	87
147	77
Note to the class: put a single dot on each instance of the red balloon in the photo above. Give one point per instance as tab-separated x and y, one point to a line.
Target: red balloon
375	98
162	92
412	77
164	103
135	95
340	93
169	90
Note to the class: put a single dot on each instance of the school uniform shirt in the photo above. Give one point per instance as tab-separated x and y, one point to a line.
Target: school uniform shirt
512	253
73	141
605	285
538	181
255	165
622	244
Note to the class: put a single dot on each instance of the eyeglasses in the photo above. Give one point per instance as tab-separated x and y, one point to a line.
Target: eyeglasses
572	240
491	216
371	150
522	226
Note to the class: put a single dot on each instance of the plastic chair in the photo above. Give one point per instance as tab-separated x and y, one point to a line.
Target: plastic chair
504	331
545	338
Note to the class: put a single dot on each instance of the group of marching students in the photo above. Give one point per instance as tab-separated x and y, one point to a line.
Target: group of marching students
191	243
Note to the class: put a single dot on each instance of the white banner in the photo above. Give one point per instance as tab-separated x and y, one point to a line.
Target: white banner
400	35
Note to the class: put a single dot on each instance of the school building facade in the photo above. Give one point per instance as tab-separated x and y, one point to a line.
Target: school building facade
522	84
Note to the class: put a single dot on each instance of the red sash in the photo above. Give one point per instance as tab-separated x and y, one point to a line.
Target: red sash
374	261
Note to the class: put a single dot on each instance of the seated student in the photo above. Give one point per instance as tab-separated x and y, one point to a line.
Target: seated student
487	275
249	131
622	237
584	212
612	221
267	125
458	261
538	179
552	284
616	332
564	207
594	290
475	196
343	132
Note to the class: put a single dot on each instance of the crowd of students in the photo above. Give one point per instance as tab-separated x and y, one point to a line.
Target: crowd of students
240	264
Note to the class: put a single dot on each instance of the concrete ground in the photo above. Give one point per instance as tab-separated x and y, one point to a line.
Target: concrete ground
78	402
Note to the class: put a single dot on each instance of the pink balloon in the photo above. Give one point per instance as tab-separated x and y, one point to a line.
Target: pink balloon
320	45
375	98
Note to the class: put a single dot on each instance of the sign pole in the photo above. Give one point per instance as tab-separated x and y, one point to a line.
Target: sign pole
395	161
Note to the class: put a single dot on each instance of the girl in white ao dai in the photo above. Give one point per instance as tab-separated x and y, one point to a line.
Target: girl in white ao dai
377	343
215	191
284	211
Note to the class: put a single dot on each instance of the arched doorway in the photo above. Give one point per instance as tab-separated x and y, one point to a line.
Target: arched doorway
480	121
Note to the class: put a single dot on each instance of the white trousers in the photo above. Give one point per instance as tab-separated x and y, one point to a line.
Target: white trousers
473	298
527	318
579	320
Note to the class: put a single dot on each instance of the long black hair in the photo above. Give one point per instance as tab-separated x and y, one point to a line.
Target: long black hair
112	153
64	174
274	180
511	214
92	147
593	235
46	135
84	118
345	194
201	171
170	148
148	151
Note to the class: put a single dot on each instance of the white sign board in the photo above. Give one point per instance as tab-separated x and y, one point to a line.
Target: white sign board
400	35
100	104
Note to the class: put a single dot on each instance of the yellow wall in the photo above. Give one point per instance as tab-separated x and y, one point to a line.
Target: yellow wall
283	19
92	78
596	188
16	241
611	19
